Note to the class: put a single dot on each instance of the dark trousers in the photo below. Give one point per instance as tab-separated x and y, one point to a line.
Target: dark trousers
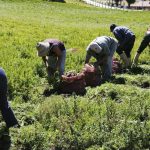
144	43
127	47
6	110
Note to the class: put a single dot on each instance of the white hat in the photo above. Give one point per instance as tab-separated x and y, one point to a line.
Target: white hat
43	48
94	47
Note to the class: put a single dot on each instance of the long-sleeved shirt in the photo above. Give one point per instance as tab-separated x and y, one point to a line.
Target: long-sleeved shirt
122	34
144	43
105	42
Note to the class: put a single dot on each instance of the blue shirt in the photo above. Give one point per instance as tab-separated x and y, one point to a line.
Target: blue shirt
122	33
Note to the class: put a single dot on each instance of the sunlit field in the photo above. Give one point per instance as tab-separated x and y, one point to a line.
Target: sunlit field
115	115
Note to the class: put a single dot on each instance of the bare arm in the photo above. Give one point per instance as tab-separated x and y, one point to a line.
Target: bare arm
44	60
87	59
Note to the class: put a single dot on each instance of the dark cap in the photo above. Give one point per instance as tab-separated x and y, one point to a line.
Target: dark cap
112	26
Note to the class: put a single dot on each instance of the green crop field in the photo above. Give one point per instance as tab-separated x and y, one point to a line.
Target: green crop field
112	116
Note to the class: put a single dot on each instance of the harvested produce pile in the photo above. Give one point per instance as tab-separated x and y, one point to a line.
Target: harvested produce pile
76	82
116	66
72	76
92	75
72	82
89	76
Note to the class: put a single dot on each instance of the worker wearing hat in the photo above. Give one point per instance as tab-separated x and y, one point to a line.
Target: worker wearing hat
102	49
53	53
126	39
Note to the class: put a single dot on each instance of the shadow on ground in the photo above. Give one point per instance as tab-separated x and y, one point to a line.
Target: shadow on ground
139	70
49	92
145	84
118	80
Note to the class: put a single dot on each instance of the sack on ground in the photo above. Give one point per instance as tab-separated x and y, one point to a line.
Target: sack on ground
72	82
92	75
116	66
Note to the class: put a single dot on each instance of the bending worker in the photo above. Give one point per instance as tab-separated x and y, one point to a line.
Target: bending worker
126	39
53	53
145	42
5	108
102	49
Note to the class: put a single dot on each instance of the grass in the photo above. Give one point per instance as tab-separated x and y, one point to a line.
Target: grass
112	116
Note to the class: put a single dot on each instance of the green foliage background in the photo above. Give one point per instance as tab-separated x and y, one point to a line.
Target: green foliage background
112	116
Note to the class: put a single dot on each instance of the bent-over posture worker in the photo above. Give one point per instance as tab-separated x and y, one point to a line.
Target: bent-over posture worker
126	39
53	53
145	42
5	108
102	48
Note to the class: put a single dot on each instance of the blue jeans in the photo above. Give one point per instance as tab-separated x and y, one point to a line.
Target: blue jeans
128	45
52	61
107	67
6	110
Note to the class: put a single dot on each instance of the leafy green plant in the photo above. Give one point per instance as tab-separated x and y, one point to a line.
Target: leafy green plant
114	115
31	137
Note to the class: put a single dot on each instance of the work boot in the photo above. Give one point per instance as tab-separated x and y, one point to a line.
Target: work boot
126	61
135	60
4	132
5	140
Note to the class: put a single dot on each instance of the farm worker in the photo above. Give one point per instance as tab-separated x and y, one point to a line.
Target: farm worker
126	39
102	49
145	42
5	108
53	53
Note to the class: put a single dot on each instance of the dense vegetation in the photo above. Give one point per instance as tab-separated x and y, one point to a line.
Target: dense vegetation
112	116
